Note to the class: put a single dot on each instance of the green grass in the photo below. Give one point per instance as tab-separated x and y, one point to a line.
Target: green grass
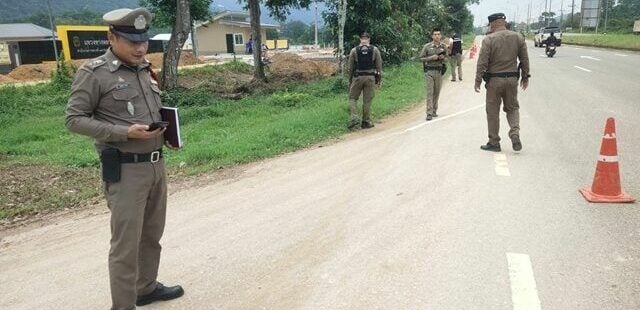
217	132
620	41
468	40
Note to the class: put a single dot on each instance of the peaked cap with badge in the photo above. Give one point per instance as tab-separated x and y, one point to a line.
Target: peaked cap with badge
133	25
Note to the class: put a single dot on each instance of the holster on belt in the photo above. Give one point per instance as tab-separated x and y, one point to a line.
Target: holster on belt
110	160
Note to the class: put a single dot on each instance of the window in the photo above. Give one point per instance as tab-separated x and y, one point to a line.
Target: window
238	38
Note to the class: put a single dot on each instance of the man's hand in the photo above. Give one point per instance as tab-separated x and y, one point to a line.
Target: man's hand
441	57
524	84
137	131
477	87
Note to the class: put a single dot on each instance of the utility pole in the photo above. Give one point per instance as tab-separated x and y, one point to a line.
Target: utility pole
53	35
194	40
573	6
316	22
550	18
606	14
561	13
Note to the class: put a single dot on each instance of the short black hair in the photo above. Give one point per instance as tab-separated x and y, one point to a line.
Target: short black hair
435	29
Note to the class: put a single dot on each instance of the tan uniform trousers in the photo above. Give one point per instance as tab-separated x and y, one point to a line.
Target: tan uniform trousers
365	85
499	91
434	84
456	63
138	209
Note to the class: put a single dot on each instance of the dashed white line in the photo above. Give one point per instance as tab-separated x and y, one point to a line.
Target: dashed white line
590	57
621	55
524	293
583	69
502	166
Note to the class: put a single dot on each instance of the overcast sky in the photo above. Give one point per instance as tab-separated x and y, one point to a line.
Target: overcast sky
514	9
517	9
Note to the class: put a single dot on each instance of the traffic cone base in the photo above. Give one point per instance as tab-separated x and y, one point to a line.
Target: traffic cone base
607	186
593	197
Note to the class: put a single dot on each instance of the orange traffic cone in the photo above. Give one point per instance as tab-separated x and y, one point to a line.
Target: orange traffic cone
606	183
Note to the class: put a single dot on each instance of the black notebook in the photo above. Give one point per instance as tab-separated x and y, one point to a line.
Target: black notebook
172	134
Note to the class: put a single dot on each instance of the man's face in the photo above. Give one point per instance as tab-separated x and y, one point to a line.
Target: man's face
436	36
365	40
129	52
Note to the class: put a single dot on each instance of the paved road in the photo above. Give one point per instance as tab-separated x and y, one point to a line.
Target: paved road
408	216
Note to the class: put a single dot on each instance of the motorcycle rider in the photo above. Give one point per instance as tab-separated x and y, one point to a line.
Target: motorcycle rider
551	41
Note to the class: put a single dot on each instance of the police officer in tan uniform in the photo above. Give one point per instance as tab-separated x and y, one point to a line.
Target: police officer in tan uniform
455	51
433	57
114	99
365	72
498	66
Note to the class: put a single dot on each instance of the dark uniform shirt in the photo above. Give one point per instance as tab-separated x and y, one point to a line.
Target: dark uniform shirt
107	97
431	49
500	53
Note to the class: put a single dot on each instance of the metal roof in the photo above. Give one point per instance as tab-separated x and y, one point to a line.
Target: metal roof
25	32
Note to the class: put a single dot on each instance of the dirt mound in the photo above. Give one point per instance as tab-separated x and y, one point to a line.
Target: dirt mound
32	72
4	79
294	66
186	59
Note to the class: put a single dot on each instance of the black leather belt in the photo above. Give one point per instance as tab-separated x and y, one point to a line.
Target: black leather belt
504	74
127	158
365	73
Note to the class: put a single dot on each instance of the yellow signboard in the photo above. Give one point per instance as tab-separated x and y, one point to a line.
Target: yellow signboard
83	42
5	58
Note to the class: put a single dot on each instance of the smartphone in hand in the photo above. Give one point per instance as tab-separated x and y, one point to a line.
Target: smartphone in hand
158	125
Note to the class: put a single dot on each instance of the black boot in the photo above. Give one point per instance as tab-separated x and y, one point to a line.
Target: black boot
353	123
491	147
429	117
517	145
160	293
367	125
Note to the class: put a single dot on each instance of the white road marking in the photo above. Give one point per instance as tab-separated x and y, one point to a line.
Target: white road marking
502	166
621	55
524	293
592	58
583	69
443	118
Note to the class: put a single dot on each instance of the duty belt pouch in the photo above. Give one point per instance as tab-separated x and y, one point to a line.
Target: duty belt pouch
110	159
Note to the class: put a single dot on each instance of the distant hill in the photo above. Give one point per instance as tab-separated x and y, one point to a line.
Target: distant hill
11	10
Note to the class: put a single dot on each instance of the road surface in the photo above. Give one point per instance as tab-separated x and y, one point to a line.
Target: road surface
411	215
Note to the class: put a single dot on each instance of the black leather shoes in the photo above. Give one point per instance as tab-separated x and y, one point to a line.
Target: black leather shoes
491	147
353	123
367	125
517	145
435	114
429	117
161	293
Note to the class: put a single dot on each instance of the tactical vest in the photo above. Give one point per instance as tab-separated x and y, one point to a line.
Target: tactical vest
457	46
365	58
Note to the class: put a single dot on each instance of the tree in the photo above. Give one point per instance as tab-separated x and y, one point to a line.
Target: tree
397	27
295	31
278	9
180	14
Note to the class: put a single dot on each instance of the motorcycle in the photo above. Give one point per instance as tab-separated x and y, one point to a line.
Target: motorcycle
551	50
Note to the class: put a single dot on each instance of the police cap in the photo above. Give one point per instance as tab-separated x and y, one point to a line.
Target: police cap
133	25
496	16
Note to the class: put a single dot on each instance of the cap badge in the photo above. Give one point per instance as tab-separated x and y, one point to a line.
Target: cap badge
140	22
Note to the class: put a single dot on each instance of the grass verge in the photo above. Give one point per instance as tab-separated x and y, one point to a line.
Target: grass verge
46	168
618	41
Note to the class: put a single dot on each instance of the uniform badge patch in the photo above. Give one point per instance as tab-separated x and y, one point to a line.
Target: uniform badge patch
140	22
130	108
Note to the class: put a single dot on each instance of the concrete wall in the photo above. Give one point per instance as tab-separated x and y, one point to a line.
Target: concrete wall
212	38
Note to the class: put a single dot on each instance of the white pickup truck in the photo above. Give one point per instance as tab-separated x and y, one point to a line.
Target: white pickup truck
541	36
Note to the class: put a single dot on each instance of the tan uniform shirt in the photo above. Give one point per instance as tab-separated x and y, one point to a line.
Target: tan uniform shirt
500	53
377	61
107	97
431	49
